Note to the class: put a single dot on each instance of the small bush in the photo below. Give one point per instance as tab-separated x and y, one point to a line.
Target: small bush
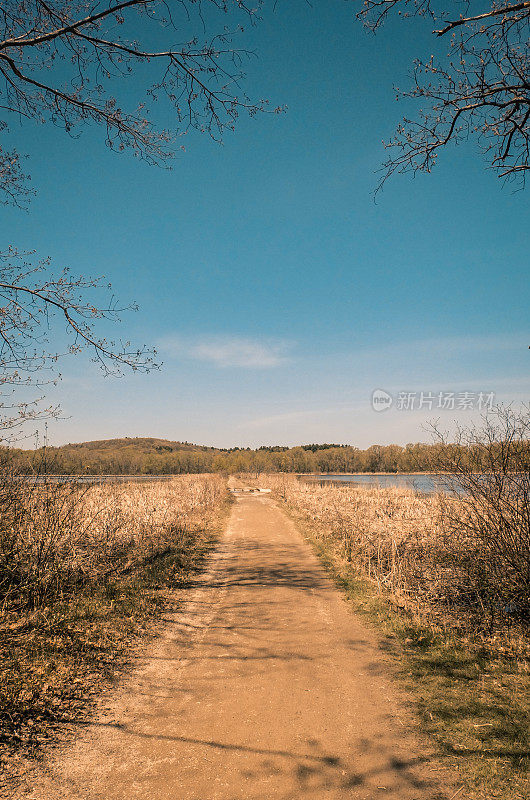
488	516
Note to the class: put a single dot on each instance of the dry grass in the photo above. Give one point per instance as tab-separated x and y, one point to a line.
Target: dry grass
389	535
388	551
85	572
53	537
399	539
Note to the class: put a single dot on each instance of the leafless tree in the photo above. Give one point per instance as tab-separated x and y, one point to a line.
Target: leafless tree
60	62
488	468
480	89
35	303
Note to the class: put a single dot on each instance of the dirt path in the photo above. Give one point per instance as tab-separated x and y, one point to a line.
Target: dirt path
265	686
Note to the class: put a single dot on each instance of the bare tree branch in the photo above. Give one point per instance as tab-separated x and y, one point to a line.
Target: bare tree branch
481	90
505	10
30	295
60	60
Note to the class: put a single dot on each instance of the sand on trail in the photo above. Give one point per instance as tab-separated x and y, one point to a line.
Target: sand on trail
264	685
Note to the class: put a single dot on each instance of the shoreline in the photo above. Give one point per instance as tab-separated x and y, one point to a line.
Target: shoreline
357	474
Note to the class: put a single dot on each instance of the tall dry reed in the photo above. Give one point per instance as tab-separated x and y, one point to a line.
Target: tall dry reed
55	536
410	545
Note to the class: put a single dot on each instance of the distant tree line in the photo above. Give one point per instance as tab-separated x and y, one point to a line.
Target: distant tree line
153	457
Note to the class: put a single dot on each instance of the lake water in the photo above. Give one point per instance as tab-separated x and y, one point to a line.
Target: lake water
410	480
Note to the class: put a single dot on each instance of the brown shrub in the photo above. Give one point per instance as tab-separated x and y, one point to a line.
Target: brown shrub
56	535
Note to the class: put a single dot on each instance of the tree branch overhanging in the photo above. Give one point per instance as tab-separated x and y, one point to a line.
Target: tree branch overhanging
479	91
65	62
62	62
29	297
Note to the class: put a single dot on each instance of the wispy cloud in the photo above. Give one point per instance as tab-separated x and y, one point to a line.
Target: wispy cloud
229	351
298	415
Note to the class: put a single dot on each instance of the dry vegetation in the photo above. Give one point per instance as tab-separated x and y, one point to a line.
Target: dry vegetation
411	547
53	537
83	571
461	648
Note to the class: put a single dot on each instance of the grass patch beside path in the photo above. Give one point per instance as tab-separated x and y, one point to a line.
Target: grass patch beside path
55	662
474	703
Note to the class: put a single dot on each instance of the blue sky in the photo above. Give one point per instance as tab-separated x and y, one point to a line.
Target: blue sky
278	293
